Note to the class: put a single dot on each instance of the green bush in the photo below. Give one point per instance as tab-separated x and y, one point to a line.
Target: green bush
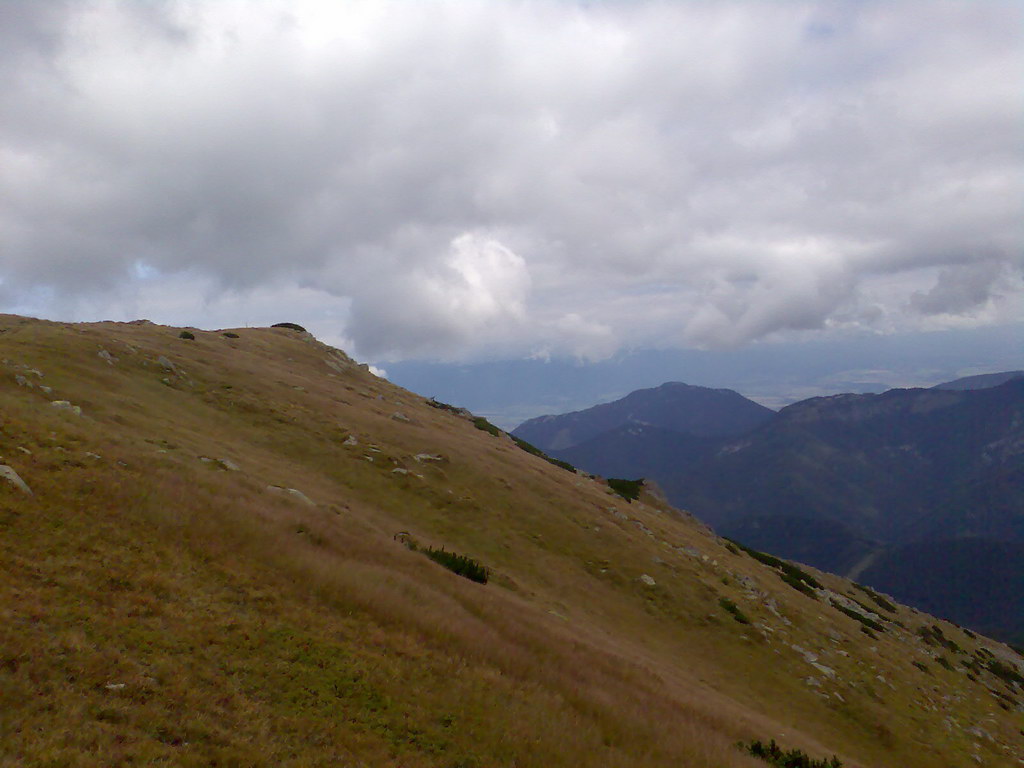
734	609
231	335
290	326
791	574
627	489
187	335
775	755
922	667
880	601
1005	672
943	662
460	564
532	449
869	623
481	423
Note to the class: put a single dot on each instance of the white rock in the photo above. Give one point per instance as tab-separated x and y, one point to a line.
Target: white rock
351	440
421	457
104	355
66	406
399	416
12	477
163	362
295	494
650	582
22	381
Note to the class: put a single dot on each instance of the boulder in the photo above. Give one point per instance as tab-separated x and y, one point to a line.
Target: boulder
64	405
649	581
292	492
12	477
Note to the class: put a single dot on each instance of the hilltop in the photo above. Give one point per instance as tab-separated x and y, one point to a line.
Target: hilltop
209	563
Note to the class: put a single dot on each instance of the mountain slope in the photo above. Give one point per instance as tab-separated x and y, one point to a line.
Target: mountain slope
982	381
674	406
209	570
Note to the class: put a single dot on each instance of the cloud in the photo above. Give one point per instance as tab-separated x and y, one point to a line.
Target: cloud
458	179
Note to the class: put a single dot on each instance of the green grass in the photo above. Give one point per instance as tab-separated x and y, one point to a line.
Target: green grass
734	610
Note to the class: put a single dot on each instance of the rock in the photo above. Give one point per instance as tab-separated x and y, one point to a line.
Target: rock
66	406
399	471
104	355
650	582
22	381
12	477
826	671
351	440
422	457
166	364
94	456
812	682
399	416
226	464
295	494
45	389
114	686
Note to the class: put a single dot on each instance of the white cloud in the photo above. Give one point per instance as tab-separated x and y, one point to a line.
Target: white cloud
458	179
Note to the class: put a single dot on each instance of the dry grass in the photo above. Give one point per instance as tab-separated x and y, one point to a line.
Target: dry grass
159	609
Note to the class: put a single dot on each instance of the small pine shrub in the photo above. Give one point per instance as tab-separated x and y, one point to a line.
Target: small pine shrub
943	662
290	326
791	574
481	423
627	489
1005	672
868	632
775	755
880	601
187	335
532	449
734	609
922	667
869	623
445	406
231	335
464	566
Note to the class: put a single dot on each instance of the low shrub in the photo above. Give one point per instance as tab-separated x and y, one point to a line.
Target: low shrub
445	406
869	623
462	565
534	450
934	636
943	662
775	755
627	489
1005	672
187	335
922	667
791	574
290	326
880	601
734	609
481	423
230	335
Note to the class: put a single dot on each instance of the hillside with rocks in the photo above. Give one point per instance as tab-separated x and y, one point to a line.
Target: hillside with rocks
240	547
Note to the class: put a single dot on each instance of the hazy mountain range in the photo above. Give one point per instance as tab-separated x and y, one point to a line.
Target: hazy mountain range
886	488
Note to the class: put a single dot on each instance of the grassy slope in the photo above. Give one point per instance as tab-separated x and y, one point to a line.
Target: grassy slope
158	608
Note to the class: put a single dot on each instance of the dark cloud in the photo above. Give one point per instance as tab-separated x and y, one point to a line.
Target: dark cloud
451	178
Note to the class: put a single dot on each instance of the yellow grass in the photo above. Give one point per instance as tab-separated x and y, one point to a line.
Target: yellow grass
155	608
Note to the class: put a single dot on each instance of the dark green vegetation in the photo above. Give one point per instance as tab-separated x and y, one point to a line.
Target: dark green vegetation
869	623
290	326
187	335
230	335
734	610
792	574
534	450
460	564
775	755
880	601
483	424
627	489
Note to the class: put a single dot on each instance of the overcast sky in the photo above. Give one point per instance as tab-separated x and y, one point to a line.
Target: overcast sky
474	179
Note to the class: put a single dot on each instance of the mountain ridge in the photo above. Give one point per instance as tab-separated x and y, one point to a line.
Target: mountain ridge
214	566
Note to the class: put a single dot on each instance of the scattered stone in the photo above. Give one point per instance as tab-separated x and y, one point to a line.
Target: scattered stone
24	450
104	355
64	405
650	582
12	477
422	457
295	494
812	682
399	416
45	389
351	440
114	686
22	381
826	671
166	364
399	471
226	464
92	455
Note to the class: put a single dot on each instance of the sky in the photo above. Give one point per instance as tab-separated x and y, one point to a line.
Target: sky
469	181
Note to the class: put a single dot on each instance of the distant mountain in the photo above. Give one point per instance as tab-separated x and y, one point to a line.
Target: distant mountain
677	407
984	381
